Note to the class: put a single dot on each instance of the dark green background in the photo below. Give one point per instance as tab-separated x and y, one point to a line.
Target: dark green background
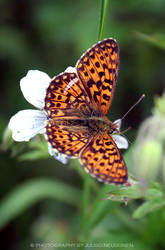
50	36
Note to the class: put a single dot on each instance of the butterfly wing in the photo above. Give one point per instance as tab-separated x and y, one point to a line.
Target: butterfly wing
98	69
67	140
67	106
66	97
91	90
102	159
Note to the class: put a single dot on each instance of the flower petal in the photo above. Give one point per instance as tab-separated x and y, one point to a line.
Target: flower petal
118	123
33	87
27	123
58	156
71	70
120	141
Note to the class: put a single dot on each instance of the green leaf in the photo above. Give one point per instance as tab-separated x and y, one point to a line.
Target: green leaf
136	191
33	155
30	192
148	207
156	39
156	191
132	192
39	150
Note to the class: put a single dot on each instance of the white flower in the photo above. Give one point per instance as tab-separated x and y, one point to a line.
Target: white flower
71	70
27	123
58	156
33	87
120	141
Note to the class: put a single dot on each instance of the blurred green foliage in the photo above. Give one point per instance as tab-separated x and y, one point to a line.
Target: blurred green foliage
43	201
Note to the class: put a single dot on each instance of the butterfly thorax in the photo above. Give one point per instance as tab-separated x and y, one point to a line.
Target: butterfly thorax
93	123
102	124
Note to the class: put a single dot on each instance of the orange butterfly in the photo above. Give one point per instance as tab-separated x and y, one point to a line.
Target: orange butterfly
77	104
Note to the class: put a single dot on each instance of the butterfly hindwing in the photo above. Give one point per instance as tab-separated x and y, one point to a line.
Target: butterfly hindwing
66	139
102	159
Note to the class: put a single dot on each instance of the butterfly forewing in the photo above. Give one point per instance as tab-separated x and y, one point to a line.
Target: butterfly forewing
98	70
66	96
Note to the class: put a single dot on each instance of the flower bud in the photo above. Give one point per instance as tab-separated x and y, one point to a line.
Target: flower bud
163	169
147	159
7	140
160	104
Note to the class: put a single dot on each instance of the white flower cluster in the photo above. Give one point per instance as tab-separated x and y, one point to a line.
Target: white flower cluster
27	123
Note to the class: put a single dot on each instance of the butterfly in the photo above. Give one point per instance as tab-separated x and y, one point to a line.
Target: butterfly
77	103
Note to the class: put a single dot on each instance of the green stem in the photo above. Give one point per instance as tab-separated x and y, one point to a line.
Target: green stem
103	15
85	202
127	221
85	198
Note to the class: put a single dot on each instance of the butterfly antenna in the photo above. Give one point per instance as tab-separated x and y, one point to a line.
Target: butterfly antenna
123	134
140	99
